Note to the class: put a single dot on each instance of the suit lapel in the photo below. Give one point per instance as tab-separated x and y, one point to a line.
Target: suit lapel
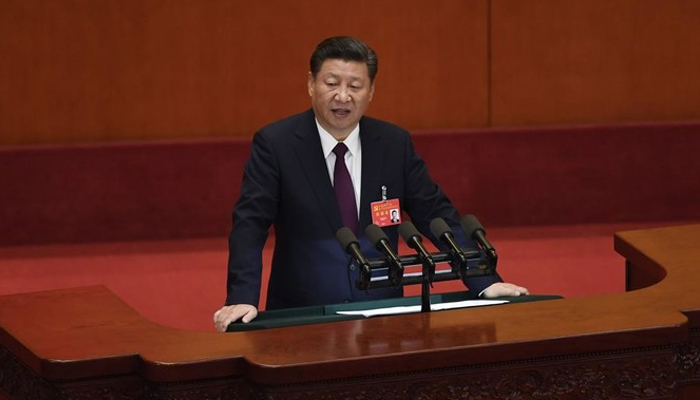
371	171
310	154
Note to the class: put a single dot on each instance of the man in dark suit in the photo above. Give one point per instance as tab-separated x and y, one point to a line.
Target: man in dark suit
395	216
292	180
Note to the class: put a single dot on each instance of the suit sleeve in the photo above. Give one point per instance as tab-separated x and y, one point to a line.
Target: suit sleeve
253	215
425	200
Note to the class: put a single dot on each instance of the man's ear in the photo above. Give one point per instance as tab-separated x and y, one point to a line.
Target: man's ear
310	84
371	91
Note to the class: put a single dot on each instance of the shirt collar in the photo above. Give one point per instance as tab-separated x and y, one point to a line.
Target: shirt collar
328	142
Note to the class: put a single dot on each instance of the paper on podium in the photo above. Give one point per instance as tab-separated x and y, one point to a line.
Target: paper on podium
413	309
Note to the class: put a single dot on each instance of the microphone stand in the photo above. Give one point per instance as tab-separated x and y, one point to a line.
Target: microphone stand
425	287
465	263
477	263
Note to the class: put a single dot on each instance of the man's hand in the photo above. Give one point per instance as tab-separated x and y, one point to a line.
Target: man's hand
228	314
502	289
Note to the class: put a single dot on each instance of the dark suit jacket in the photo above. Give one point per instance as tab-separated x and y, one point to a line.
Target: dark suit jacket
286	184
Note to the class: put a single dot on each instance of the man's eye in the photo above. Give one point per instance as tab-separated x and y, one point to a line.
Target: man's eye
332	84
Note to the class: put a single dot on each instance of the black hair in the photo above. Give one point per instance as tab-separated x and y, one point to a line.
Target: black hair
344	48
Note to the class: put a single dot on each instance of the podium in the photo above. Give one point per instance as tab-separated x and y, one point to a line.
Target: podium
86	343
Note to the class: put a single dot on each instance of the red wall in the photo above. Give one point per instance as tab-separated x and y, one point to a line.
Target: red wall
113	70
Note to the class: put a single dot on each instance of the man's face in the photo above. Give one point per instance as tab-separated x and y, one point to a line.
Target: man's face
340	94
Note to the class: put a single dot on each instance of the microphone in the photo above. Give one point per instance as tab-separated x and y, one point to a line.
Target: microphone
476	231
442	231
410	235
349	243
377	236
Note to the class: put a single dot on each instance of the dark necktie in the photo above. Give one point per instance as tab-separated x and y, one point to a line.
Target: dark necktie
344	192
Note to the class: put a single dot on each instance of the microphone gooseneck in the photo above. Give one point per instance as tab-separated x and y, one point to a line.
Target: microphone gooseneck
377	236
441	230
348	241
476	231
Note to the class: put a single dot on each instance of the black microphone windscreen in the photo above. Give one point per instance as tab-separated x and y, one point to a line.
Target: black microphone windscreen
407	231
375	233
470	225
345	237
439	227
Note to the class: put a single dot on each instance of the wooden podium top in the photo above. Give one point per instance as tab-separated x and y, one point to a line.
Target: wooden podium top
75	341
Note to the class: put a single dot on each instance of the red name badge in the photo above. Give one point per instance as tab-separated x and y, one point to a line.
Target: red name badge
386	213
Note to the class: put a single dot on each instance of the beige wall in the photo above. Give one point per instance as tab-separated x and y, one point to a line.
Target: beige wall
75	71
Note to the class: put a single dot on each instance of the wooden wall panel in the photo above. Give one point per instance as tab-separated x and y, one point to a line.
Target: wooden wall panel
75	71
594	61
